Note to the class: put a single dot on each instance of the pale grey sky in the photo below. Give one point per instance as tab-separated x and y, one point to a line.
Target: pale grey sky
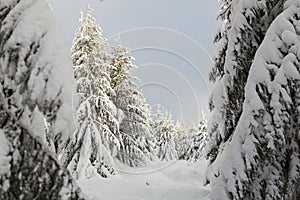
171	41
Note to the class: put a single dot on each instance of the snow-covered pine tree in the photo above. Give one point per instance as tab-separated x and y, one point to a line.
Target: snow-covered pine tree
36	81
178	136
137	139
245	24
178	131
196	140
183	144
27	169
221	37
186	143
202	134
164	132
262	160
96	139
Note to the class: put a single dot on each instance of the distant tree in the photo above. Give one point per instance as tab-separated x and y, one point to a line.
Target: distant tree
35	103
97	139
196	138
178	135
137	139
185	143
164	130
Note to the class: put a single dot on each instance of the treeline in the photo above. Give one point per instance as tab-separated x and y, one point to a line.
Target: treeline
42	88
114	121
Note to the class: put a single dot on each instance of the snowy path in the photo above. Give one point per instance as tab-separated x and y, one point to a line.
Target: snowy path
181	180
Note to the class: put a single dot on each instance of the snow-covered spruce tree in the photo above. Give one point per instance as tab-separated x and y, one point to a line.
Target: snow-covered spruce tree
164	132
183	143
178	135
179	130
27	169
36	81
262	161
221	37
137	140
97	138
194	141
243	29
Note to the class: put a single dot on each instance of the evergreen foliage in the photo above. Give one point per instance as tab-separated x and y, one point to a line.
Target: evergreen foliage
254	150
35	103
164	131
137	140
97	136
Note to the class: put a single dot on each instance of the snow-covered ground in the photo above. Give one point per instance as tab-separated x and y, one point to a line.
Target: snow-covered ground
175	181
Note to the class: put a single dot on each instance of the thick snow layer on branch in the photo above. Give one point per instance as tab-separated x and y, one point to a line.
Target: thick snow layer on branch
4	150
43	62
266	134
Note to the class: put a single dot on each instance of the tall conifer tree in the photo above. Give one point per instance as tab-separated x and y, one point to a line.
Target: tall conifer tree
97	138
137	140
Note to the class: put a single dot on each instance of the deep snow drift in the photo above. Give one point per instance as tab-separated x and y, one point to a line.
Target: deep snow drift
172	180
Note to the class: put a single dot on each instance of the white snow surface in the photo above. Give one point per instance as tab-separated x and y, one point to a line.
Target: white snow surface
172	180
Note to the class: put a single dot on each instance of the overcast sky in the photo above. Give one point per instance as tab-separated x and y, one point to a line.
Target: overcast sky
171	41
